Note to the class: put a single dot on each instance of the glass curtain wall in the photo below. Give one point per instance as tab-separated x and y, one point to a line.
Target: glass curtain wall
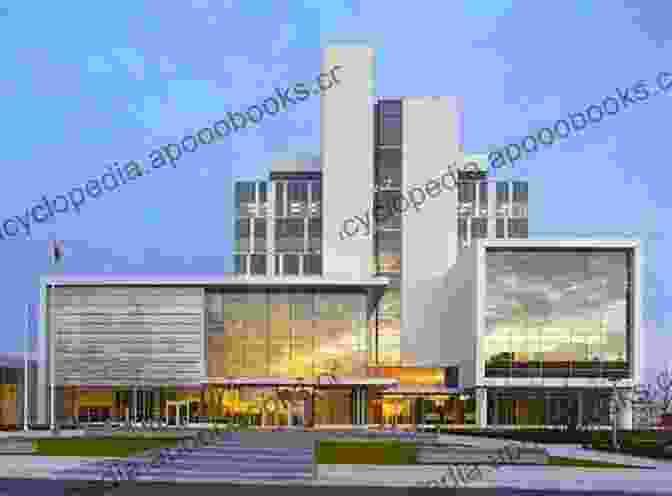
286	333
388	181
557	313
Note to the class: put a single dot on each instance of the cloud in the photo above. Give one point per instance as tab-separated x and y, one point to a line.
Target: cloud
98	64
134	62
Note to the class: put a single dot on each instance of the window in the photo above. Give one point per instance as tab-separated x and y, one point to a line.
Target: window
245	200
466	194
290	265
518	228
316	199
289	235
388	250
388	168
501	233
387	202
242	235
520	196
389	123
263	193
297	198
462	229
240	264
479	228
279	199
258	265
312	265
259	234
483	198
520	191
502	198
314	234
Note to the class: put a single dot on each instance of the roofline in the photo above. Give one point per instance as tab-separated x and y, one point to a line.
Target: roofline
257	281
566	243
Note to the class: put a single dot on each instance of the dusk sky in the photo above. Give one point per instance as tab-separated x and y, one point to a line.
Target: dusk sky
86	85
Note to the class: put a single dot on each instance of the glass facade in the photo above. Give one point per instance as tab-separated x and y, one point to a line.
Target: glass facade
557	313
389	328
388	181
286	333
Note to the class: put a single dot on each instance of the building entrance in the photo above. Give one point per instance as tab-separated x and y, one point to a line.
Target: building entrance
178	412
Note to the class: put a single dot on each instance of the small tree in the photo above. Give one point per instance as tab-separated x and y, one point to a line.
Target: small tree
663	389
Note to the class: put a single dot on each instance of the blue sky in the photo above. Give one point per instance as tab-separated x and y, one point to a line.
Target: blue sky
86	85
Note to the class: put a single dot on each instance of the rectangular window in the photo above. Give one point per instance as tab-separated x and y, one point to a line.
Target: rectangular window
479	228
520	191
386	209
462	229
501	234
278	269
388	249
502	198
388	168
289	235
240	264
242	235
483	198
520	199
312	265
518	228
258	265
315	234
291	265
389	123
279	199
466	194
316	199
244	198
259	234
297	198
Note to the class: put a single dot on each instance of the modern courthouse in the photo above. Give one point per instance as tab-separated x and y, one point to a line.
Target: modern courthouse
448	312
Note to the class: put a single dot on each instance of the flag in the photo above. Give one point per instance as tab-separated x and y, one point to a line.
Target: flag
56	251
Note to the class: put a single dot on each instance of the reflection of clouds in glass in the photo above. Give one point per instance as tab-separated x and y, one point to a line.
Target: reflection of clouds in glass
554	285
582	294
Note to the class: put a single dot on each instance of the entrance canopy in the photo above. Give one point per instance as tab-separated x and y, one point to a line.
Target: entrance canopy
322	381
420	390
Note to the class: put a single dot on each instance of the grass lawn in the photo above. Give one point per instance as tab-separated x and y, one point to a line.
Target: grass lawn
388	452
391	452
94	447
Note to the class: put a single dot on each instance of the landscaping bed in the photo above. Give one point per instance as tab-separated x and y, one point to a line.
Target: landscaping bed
100	446
396	452
364	452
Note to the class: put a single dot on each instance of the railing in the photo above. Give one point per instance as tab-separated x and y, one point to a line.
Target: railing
587	369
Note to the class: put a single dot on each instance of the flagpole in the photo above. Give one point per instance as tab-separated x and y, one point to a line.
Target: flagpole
26	380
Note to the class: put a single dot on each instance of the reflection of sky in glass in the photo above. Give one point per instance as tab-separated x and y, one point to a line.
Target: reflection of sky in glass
288	333
568	300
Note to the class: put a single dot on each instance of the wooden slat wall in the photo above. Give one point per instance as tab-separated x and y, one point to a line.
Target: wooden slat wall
113	335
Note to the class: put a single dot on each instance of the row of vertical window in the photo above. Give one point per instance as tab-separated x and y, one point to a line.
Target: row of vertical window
303	199
290	264
511	198
517	228
290	234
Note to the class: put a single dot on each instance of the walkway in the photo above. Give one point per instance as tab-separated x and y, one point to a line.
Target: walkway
226	460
